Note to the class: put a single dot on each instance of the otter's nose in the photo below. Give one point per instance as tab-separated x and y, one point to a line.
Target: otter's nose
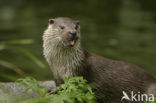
72	34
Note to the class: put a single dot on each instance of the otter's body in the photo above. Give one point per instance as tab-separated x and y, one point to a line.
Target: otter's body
66	57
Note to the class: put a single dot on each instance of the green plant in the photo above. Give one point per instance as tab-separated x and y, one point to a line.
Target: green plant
151	101
16	45
75	90
32	84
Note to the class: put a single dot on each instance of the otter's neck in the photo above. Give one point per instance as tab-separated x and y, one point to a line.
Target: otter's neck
63	60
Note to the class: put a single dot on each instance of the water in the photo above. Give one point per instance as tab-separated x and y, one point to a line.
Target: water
122	30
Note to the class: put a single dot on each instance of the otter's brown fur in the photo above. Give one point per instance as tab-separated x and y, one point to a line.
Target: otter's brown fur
110	77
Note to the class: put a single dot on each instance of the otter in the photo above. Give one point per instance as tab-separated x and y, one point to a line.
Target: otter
66	57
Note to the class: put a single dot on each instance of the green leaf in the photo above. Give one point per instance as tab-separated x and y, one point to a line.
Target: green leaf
21	42
11	66
32	57
29	55
7	76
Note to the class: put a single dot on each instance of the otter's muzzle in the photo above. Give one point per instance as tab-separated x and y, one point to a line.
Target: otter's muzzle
73	38
72	34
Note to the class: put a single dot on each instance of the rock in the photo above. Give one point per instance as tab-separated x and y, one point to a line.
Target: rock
8	90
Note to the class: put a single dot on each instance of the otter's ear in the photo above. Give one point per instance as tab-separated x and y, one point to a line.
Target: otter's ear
51	21
77	22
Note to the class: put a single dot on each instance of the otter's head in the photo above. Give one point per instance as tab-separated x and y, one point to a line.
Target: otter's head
64	30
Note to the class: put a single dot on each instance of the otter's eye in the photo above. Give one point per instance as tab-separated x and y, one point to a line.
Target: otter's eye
61	27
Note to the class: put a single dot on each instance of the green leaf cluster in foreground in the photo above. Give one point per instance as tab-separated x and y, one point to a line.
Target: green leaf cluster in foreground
74	90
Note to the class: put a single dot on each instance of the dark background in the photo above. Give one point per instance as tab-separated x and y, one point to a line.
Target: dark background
117	29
